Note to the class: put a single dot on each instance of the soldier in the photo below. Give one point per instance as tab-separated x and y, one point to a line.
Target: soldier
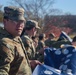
41	44
50	40
31	28
13	56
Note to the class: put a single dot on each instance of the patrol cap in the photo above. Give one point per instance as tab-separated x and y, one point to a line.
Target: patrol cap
31	24
14	13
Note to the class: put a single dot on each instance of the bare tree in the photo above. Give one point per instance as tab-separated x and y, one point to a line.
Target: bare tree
35	9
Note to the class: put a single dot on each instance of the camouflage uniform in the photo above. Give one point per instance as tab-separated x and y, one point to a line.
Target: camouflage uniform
50	40
13	61
28	43
49	43
58	44
41	44
32	50
13	56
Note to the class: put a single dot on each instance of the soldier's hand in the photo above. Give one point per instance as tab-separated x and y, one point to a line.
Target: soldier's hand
34	63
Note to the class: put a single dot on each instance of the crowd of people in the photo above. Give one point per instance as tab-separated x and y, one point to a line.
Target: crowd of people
21	49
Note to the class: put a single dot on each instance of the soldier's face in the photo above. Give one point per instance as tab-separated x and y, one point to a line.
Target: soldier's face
13	27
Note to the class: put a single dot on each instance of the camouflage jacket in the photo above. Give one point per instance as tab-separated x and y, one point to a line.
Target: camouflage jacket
28	43
41	44
13	60
31	51
49	42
